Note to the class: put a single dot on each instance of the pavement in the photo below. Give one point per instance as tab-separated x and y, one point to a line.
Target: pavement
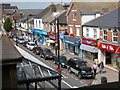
110	73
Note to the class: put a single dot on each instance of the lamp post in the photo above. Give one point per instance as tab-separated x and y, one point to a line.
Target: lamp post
58	46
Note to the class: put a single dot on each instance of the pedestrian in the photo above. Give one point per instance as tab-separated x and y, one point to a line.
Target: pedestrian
101	66
95	68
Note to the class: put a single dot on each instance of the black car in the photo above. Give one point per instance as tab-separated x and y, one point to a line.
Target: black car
80	68
37	50
62	60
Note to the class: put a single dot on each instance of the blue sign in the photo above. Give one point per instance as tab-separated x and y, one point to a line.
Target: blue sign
61	36
72	41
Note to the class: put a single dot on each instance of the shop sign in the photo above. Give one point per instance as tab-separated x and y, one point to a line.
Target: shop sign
43	32
61	36
89	42
52	33
108	47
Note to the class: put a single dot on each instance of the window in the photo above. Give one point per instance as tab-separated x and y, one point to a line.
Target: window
87	32
105	34
36	23
74	15
95	33
77	31
39	24
71	29
115	36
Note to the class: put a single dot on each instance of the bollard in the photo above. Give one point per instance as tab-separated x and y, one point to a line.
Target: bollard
103	79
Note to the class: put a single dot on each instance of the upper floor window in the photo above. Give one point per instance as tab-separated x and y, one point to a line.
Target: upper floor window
87	32
74	15
95	33
39	24
115	36
77	31
105	34
71	29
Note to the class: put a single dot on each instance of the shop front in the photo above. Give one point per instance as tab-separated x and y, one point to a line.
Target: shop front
52	41
108	53
61	38
89	49
44	35
72	45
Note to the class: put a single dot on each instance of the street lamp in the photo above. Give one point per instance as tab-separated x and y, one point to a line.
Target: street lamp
58	46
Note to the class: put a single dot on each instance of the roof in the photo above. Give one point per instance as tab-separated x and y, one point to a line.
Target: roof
93	7
27	12
9	53
47	10
109	19
62	18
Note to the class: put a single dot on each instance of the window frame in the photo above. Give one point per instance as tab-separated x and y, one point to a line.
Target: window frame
105	35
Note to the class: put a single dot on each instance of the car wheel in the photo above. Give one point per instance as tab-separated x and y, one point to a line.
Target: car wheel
79	75
45	57
69	69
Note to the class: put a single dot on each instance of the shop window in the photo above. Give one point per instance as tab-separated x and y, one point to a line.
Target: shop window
105	34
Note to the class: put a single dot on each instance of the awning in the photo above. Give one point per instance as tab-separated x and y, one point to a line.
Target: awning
89	48
50	41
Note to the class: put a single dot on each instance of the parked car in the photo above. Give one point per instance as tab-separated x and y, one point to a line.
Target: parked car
37	50
80	68
62	60
46	53
30	45
15	38
20	40
25	43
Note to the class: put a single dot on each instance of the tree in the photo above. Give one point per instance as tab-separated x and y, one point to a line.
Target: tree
7	25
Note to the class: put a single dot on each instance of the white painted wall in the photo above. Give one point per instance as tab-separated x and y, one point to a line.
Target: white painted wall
38	24
101	56
86	18
91	32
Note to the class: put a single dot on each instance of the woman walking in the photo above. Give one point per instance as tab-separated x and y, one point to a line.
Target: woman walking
94	68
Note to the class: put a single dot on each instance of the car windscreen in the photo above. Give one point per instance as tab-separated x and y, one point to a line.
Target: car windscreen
62	59
47	51
21	38
32	44
84	64
38	48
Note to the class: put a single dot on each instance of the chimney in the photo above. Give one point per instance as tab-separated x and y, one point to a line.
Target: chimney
52	8
66	5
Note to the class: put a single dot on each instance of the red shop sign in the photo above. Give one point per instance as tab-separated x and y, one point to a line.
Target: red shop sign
52	33
89	42
108	47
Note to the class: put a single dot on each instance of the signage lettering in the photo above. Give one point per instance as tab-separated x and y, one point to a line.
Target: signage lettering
108	47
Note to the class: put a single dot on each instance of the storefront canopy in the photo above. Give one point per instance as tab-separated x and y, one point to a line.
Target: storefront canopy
89	48
72	41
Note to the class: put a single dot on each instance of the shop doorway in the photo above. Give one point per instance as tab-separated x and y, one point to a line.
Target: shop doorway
108	57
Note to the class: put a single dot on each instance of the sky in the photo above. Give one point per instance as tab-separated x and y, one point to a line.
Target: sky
41	4
33	4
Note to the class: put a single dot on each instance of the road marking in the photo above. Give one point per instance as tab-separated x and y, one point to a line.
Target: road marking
67	83
64	76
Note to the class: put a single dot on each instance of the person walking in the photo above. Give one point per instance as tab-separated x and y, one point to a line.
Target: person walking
94	68
101	66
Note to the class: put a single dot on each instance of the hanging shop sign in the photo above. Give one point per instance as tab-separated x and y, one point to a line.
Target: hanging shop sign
108	47
89	42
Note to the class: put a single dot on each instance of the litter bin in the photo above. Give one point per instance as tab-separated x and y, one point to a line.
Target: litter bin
103	79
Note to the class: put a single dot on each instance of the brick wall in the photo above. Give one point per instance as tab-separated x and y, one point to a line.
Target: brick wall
71	22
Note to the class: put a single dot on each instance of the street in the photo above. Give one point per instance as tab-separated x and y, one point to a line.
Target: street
68	80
